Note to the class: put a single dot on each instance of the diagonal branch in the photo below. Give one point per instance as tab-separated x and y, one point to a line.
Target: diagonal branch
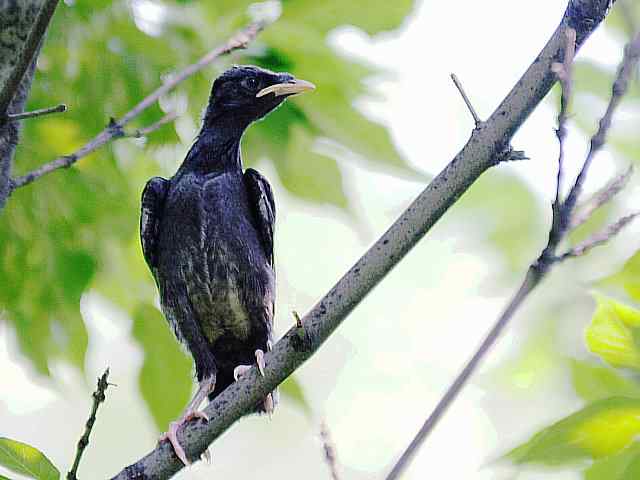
299	344
562	217
115	128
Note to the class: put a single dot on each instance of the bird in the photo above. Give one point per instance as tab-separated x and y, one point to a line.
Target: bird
207	235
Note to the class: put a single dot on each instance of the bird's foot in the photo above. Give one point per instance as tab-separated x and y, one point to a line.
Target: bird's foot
172	433
240	370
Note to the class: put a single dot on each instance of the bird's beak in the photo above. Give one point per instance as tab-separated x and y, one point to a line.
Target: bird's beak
288	88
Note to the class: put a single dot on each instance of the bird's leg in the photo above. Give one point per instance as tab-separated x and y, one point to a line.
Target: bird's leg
206	386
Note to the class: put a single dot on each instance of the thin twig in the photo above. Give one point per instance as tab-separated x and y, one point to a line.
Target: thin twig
599	238
472	110
98	398
329	450
297	318
601	197
563	72
620	85
143	132
37	113
115	128
547	259
26	57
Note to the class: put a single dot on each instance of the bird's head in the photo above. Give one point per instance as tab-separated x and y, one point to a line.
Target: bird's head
244	94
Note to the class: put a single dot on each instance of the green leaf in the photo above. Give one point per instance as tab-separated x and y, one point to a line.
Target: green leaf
599	430
308	174
292	390
622	466
329	111
373	16
594	382
166	378
612	333
303	171
627	278
26	460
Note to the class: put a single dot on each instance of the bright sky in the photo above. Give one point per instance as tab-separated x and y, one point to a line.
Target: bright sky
377	379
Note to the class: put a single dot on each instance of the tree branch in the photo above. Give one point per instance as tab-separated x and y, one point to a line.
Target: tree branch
486	145
562	218
14	117
17	20
115	129
330	456
98	398
143	132
27	55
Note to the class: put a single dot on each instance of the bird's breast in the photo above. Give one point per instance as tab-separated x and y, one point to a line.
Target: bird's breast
221	260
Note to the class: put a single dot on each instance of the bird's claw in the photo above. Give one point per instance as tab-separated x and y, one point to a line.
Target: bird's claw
269	405
260	361
195	415
172	436
172	433
206	456
240	370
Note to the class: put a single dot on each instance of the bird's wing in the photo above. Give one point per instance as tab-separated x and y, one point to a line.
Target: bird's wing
153	198
263	208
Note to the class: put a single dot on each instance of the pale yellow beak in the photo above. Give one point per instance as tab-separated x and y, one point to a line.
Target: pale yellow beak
290	88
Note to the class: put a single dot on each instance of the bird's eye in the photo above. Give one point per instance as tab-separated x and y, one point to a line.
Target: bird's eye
250	83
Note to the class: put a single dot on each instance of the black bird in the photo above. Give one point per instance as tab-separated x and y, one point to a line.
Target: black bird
207	236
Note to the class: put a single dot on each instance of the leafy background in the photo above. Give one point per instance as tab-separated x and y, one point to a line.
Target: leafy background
76	295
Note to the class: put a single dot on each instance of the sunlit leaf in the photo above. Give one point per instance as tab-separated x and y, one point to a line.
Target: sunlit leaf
612	333
622	466
166	377
601	429
26	460
372	16
594	382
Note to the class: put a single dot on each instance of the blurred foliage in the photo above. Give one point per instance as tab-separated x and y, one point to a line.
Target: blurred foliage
77	229
26	460
613	333
607	429
605	432
603	428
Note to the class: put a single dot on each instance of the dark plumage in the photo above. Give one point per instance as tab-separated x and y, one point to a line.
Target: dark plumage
207	236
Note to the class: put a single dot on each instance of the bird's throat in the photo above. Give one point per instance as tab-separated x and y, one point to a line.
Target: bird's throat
215	150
